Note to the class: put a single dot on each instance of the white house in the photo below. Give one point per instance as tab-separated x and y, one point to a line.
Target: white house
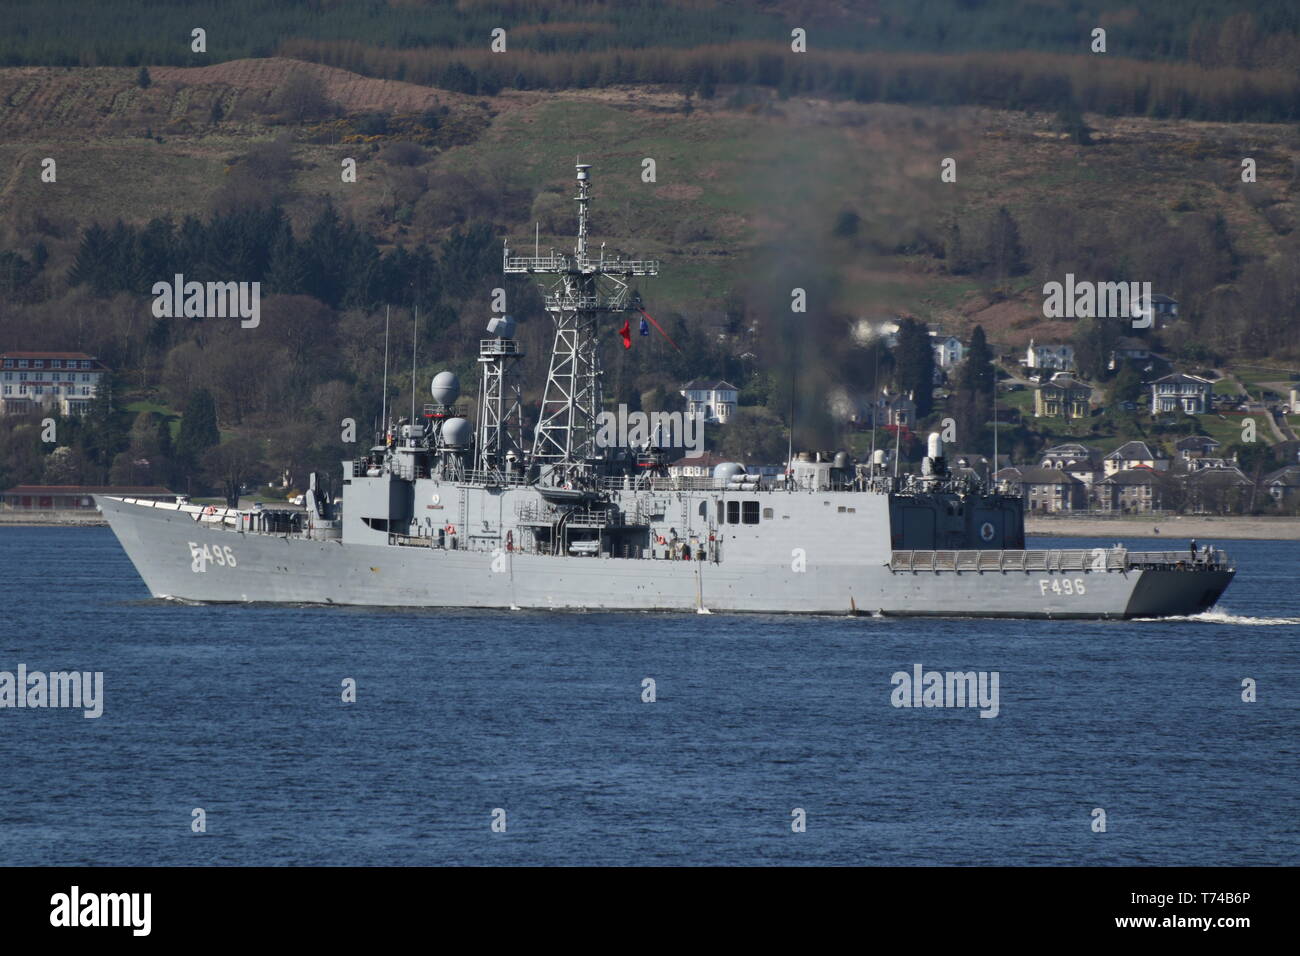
1181	392
1059	358
948	350
716	401
37	380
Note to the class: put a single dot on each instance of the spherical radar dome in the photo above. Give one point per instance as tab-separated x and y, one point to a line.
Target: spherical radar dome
445	388
456	433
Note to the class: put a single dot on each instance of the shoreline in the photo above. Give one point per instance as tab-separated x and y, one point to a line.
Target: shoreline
1178	528
52	519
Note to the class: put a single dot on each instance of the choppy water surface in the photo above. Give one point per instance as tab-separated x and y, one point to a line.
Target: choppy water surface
237	710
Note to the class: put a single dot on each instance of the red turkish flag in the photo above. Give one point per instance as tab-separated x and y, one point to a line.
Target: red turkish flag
626	332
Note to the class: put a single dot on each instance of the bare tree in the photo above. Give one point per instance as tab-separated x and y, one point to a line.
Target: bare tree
302	98
231	464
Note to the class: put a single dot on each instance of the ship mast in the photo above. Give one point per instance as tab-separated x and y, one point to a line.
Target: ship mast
580	290
500	415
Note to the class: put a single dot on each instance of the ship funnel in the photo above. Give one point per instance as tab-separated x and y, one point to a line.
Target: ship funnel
445	388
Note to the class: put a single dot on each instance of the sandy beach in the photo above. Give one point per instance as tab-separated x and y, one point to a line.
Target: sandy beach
1177	528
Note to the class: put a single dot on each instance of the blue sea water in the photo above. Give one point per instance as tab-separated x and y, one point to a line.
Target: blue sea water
237	710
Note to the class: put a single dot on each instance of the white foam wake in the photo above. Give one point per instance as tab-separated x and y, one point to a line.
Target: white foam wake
1217	615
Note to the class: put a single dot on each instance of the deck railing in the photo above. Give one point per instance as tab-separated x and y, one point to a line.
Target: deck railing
1095	559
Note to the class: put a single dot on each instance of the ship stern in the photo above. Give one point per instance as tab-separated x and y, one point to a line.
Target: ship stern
1177	593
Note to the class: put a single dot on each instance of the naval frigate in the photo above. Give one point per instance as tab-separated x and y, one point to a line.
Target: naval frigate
445	512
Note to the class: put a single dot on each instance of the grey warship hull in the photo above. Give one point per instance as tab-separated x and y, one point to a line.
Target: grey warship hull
167	544
441	513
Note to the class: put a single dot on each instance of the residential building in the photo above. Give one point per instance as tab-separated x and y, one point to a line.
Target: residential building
716	401
1180	392
38	381
1205	464
893	410
1062	396
948	350
975	465
1044	489
1059	358
1130	349
1079	461
1283	487
1131	491
1219	491
1160	308
73	497
1134	454
1195	446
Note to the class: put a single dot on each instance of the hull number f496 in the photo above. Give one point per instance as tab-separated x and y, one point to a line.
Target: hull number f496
1061	586
203	555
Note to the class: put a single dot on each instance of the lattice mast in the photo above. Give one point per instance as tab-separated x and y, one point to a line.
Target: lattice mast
583	290
500	411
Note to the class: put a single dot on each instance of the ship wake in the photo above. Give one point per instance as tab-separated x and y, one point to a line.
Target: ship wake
1219	615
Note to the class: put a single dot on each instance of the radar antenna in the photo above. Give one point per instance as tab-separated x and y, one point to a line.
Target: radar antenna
580	291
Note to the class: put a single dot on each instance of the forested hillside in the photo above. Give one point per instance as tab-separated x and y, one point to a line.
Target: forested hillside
773	171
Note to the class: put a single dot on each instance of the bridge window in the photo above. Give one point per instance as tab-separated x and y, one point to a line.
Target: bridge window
750	513
733	512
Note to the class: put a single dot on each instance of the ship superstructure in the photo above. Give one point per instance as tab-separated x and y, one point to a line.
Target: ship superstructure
444	512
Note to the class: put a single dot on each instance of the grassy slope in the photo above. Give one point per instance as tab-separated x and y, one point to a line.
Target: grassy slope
767	182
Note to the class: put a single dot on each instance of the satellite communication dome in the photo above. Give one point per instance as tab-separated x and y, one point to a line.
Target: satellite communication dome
727	470
502	326
456	433
445	388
